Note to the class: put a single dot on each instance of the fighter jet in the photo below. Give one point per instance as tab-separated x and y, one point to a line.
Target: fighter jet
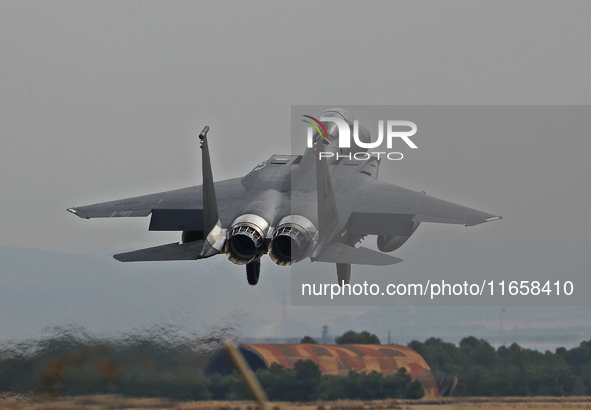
317	205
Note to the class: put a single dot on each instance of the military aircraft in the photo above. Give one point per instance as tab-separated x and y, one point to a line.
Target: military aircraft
291	207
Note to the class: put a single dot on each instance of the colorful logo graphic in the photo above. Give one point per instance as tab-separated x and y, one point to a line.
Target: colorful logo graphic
325	136
388	131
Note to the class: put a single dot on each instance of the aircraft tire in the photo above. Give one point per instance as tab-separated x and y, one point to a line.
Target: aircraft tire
343	273
253	271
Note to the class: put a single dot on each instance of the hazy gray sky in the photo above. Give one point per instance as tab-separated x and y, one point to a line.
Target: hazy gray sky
103	100
41	289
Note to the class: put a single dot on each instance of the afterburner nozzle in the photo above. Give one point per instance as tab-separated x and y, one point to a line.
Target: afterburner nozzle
291	240
246	239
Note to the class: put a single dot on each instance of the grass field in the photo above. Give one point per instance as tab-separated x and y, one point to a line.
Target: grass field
103	402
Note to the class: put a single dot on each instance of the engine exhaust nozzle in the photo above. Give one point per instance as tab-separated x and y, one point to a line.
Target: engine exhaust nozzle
291	240
246	238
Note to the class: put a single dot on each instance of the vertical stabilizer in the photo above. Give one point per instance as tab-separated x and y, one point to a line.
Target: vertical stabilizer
212	226
328	218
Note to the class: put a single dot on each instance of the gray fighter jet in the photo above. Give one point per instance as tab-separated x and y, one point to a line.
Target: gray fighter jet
292	207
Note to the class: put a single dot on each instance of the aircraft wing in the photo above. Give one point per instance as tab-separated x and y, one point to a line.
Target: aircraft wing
386	209
230	195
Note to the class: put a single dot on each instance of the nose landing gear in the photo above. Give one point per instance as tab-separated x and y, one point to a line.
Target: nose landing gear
253	270
343	273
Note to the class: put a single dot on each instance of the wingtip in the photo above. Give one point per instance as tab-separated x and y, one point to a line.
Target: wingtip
481	221
72	211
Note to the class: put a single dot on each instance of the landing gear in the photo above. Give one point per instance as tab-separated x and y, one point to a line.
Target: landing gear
343	273
253	270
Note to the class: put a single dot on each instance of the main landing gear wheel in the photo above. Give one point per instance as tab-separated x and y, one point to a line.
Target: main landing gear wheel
253	270
343	273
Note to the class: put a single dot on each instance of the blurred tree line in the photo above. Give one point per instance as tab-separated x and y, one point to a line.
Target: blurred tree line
483	370
350	337
305	382
161	363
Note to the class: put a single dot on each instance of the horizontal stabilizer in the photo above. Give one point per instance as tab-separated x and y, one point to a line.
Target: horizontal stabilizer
171	252
341	253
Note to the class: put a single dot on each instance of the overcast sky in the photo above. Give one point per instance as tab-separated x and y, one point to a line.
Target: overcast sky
104	100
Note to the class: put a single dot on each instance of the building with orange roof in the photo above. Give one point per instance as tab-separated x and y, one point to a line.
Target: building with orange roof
335	359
